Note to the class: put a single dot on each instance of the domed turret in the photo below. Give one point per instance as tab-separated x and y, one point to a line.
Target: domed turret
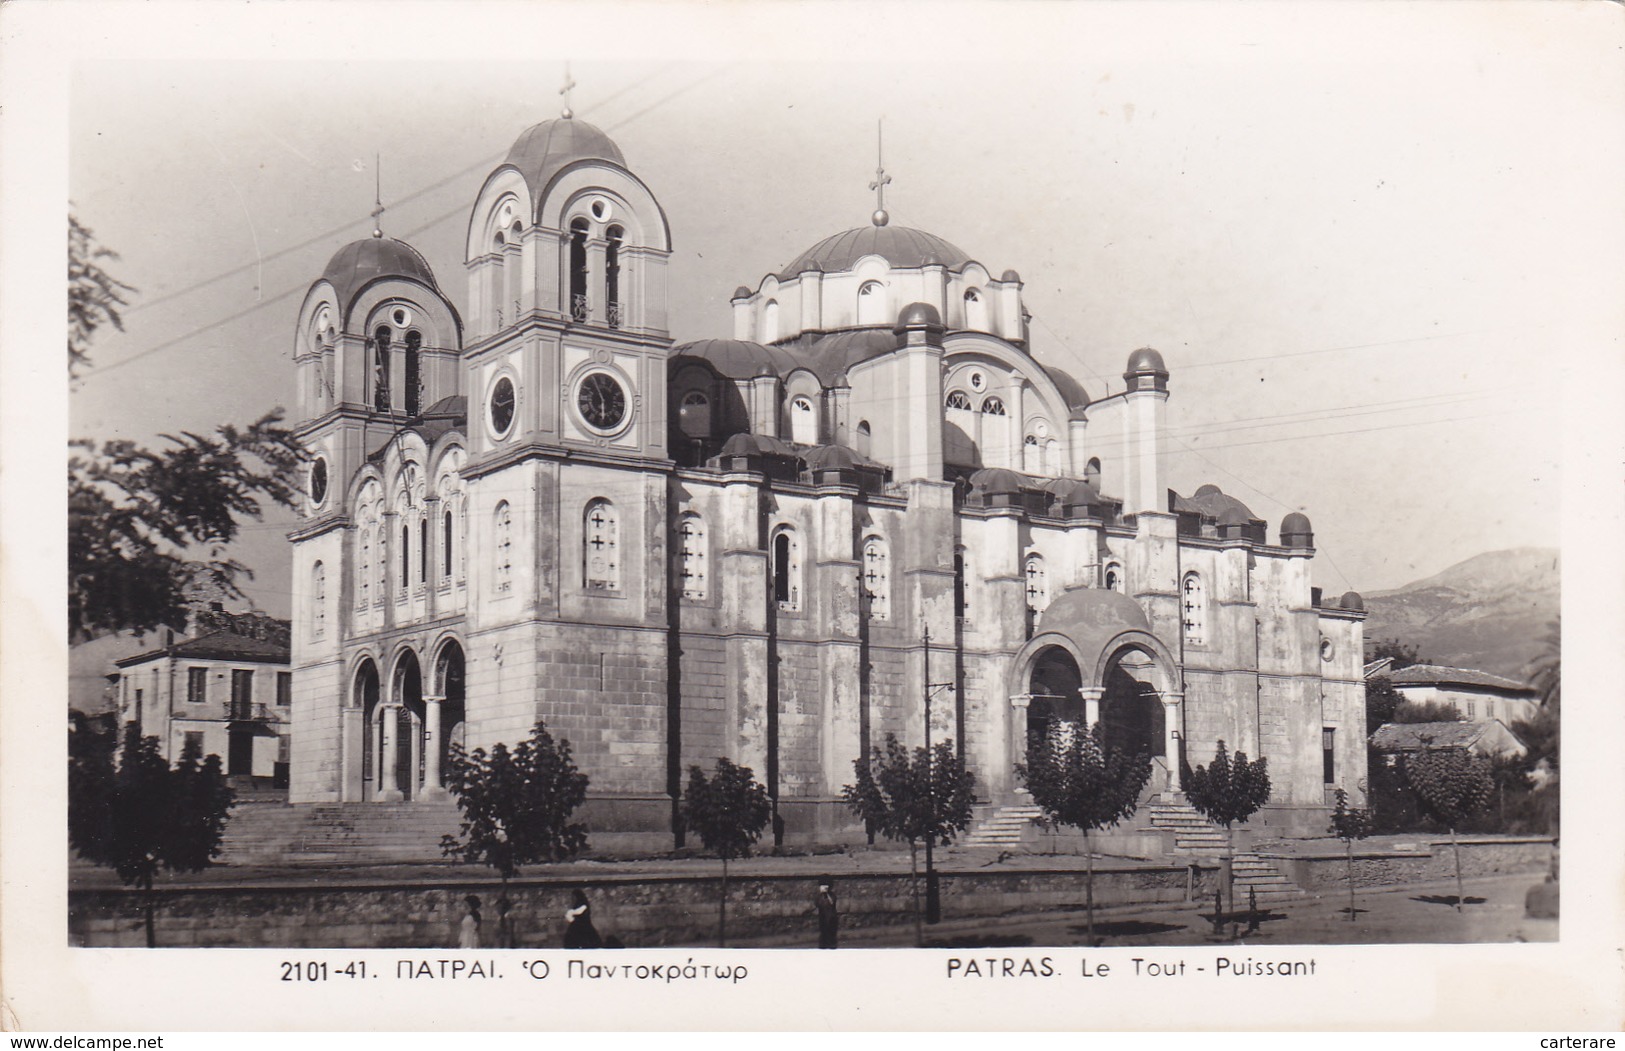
899	245
546	149
360	263
1351	600
1296	531
916	315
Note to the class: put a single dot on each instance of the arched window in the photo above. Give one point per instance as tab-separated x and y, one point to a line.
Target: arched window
1032	457
578	269
601	554
380	369
1037	584
693	556
1113	577
959	400
961	586
992	406
502	549
318	601
364	569
423	550
872	304
975	310
1091	472
612	276
406	555
694	415
863	439
877	577
1193	605
446	545
787	569
770	321
414	373
803	421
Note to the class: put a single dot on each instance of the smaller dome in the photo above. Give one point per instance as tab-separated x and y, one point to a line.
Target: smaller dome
545	149
1352	600
1209	490
1295	523
741	292
1011	276
1081	495
829	458
840	380
1234	516
1146	360
360	263
917	314
997	481
755	445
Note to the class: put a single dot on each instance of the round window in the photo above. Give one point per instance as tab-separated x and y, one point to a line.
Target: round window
502	405
600	209
977	381
1327	650
401	317
601	401
318	481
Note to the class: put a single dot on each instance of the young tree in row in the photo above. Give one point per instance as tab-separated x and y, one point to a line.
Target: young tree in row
911	798
516	805
1227	791
728	811
1349	824
141	815
1450	784
1077	779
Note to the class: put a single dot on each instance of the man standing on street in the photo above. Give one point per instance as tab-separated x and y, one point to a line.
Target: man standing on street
828	920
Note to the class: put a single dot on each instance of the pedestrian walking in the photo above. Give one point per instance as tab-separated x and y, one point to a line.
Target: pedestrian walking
579	933
828	917
468	935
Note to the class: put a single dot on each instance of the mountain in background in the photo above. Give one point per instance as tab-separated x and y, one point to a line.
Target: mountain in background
1489	612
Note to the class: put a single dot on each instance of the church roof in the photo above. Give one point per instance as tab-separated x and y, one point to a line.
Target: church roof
546	149
737	359
901	246
1077	399
360	263
1214	503
829	355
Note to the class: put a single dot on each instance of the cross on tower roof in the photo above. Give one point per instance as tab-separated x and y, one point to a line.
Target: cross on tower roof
569	83
880	218
378	196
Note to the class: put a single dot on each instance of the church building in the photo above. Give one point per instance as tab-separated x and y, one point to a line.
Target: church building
871	499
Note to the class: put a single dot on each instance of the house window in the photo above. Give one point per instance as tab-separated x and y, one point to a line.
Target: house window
318	600
502	549
692	556
992	406
1037	584
242	693
959	400
1472	709
803	421
197	685
787	570
192	741
1328	755
414	373
601	555
694	415
284	688
877	577
1193	606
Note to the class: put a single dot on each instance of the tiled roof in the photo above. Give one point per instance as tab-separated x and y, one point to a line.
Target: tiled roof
217	646
1415	737
1438	674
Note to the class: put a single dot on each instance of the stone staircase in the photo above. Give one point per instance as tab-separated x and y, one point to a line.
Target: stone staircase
999	826
1195	835
269	833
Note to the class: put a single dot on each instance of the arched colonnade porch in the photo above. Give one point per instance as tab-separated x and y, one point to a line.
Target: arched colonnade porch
396	741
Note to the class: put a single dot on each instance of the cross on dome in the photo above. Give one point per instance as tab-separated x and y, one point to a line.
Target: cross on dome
880	218
378	195
569	84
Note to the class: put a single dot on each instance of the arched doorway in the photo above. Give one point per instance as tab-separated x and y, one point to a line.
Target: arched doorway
447	722
1054	696
406	691
1132	714
364	698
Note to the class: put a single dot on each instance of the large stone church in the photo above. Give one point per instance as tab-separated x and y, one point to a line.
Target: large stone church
870	499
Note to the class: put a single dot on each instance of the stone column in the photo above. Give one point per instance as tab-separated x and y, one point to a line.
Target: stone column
431	745
388	790
352	739
1018	736
1091	704
1172	706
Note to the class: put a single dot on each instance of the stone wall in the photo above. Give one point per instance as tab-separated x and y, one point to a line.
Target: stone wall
640	911
1432	860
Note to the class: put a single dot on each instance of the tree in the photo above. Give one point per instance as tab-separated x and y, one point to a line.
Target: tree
94	295
1403	654
911	797
1545	671
1077	779
516	804
1449	786
1381	700
140	816
1349	824
1227	791
728	811
144	526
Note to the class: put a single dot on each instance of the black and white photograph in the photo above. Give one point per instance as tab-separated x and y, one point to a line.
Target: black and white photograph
1048	501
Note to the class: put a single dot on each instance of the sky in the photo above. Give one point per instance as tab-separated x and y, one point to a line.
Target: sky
1373	243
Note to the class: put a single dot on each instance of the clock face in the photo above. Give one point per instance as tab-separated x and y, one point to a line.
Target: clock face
502	403
602	401
318	481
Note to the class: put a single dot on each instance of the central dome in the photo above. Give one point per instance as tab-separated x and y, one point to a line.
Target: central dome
898	245
546	149
360	263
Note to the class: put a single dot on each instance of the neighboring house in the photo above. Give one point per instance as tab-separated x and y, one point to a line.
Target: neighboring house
1485	737
227	687
1477	695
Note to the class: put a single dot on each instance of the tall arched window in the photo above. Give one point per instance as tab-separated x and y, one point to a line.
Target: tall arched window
1193	605
446	546
1091	472
872	304
612	276
406	555
414	373
692	556
770	321
502	549
877	577
694	415
578	269
423	550
803	421
961	586
1037	584
1113	577
864	439
318	601
992	406
1032	457
364	569
601	548
975	310
787	569
380	369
